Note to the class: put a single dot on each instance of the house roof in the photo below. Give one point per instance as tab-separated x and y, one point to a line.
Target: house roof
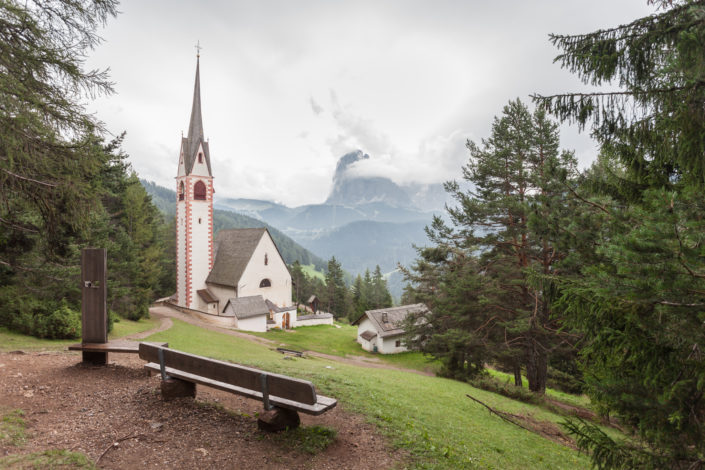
311	299
387	321
368	335
273	307
248	307
233	250
207	296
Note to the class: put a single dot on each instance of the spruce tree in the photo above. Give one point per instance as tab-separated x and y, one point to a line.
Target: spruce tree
637	292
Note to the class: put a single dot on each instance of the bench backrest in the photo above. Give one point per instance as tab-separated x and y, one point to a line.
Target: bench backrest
281	386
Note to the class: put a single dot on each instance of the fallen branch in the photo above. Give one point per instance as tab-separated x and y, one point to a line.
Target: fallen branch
114	444
501	414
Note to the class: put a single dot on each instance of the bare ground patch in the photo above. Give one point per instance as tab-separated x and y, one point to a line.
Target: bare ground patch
115	414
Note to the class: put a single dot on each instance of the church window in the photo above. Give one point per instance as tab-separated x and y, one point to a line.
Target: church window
200	157
199	191
199	220
266	260
265	283
181	191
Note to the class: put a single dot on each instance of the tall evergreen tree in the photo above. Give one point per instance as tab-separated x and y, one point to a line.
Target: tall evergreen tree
513	176
337	297
638	294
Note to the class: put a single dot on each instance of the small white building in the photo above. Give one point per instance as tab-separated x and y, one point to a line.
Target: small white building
381	330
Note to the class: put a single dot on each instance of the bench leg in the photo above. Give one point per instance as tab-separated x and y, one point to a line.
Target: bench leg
278	419
174	388
95	358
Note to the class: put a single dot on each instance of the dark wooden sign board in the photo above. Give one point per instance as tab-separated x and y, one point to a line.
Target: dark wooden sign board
94	310
94	343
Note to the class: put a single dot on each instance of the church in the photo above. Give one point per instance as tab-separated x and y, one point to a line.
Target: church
239	279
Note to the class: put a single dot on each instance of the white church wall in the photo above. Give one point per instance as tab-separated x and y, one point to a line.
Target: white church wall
201	240
258	323
222	293
275	270
200	168
181	252
314	321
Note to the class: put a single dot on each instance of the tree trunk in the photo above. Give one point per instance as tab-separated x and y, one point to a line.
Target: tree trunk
517	375
536	367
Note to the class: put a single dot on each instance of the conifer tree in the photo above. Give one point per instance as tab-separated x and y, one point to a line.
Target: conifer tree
513	176
637	293
336	289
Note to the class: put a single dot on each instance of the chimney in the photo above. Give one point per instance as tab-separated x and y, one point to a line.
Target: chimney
384	317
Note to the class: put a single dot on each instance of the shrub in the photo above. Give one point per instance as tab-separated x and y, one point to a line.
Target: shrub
62	323
506	389
564	382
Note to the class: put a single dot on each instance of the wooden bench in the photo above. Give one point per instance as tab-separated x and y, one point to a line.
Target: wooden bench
282	396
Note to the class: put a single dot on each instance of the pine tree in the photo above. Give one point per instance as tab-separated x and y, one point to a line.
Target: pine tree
337	291
380	297
502	221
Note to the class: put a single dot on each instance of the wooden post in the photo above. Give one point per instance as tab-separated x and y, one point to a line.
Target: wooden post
94	310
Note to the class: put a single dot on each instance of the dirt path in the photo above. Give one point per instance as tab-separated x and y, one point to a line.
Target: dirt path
164	312
115	415
164	324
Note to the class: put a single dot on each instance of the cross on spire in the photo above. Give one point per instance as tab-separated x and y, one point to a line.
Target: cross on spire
198	48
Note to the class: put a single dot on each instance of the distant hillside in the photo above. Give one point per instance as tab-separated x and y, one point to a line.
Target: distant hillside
363	244
165	200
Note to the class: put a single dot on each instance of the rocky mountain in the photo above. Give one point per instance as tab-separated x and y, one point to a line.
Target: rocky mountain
352	190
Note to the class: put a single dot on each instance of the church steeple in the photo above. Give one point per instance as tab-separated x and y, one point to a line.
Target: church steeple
195	127
194	142
194	209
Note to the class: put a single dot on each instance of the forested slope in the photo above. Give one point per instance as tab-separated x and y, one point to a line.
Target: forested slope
165	200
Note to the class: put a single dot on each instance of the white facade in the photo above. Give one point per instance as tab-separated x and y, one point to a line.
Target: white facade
258	323
274	270
321	320
388	345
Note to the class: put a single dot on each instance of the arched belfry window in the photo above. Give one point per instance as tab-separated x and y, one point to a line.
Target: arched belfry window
199	191
181	191
265	283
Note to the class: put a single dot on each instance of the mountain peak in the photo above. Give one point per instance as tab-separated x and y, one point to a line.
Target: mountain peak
354	190
346	161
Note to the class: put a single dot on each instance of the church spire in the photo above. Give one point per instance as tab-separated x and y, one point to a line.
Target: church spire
195	127
194	140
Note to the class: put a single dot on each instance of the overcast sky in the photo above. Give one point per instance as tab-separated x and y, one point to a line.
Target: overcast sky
289	86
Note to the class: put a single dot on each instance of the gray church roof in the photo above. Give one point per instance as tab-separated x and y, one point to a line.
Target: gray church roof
233	250
189	144
248	307
388	321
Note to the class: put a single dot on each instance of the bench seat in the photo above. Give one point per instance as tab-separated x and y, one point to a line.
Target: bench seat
274	390
321	406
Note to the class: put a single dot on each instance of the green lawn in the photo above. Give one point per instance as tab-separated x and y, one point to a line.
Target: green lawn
430	417
310	271
339	340
11	341
127	327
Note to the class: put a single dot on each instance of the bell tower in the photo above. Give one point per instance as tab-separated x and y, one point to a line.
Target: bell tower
194	208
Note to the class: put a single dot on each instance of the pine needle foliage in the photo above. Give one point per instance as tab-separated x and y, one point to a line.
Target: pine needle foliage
636	284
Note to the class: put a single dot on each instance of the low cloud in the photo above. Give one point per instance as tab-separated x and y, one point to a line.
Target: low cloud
436	159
